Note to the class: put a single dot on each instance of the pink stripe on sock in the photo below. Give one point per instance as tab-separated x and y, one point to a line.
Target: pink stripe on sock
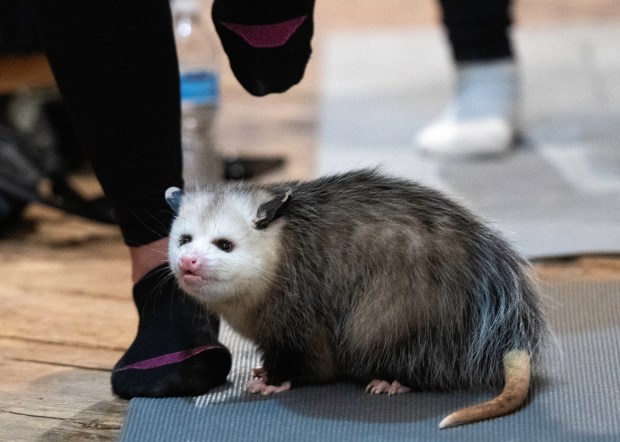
266	36
170	358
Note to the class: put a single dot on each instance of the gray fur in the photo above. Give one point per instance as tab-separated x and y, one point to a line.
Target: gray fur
378	277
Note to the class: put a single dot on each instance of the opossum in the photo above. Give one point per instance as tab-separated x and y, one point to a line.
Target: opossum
366	277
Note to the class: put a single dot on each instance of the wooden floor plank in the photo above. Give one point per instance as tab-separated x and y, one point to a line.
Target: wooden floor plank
46	402
584	268
59	354
72	319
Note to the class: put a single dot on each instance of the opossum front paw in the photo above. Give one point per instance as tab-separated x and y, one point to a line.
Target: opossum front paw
378	386
259	385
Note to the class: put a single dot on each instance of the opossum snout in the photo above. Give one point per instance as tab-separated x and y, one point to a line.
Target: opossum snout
193	268
191	262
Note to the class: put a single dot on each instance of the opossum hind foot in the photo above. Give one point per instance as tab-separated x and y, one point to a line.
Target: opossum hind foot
378	386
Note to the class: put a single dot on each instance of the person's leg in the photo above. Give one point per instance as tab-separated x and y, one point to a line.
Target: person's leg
480	119
115	65
478	29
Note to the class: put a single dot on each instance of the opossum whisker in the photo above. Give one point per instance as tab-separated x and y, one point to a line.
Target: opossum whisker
161	233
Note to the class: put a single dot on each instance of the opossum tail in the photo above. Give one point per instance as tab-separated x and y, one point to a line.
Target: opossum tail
517	372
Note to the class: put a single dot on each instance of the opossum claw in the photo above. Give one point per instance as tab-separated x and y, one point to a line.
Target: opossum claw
260	386
259	383
276	389
398	388
377	386
255	385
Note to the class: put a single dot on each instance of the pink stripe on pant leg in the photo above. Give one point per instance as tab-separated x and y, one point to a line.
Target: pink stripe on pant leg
167	359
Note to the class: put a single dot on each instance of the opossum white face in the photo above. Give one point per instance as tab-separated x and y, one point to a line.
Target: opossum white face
224	245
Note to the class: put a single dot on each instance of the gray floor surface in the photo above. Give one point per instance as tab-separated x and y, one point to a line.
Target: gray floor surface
556	194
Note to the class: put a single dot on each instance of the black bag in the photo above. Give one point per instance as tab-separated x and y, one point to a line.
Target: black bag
17	30
42	146
19	179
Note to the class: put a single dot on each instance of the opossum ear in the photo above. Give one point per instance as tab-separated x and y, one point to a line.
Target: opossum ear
173	198
272	209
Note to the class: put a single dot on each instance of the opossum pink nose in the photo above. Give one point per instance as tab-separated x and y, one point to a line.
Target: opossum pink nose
190	261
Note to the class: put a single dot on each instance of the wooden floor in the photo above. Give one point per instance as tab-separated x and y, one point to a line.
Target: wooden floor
66	313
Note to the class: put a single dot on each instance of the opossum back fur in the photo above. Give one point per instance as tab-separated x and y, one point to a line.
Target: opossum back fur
378	277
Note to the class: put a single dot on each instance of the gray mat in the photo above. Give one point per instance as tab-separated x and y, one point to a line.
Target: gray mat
579	401
558	194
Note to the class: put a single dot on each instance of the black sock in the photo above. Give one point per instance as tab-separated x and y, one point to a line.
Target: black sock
267	41
176	351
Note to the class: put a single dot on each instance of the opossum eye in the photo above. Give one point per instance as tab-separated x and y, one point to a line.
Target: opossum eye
184	239
224	245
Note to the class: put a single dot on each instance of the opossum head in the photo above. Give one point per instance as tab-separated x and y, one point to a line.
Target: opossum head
225	243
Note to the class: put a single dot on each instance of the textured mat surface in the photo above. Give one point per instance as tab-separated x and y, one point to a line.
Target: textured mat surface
579	401
557	194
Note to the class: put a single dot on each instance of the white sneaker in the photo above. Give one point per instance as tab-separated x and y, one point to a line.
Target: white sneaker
481	119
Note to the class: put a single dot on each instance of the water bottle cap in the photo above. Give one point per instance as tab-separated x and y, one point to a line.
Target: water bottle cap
186	6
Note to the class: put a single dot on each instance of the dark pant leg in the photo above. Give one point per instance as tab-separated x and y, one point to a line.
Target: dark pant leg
116	67
478	29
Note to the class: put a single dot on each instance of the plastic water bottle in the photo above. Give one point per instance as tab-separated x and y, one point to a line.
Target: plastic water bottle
200	93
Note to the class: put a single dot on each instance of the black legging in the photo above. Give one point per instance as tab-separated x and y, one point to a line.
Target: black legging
116	68
478	29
